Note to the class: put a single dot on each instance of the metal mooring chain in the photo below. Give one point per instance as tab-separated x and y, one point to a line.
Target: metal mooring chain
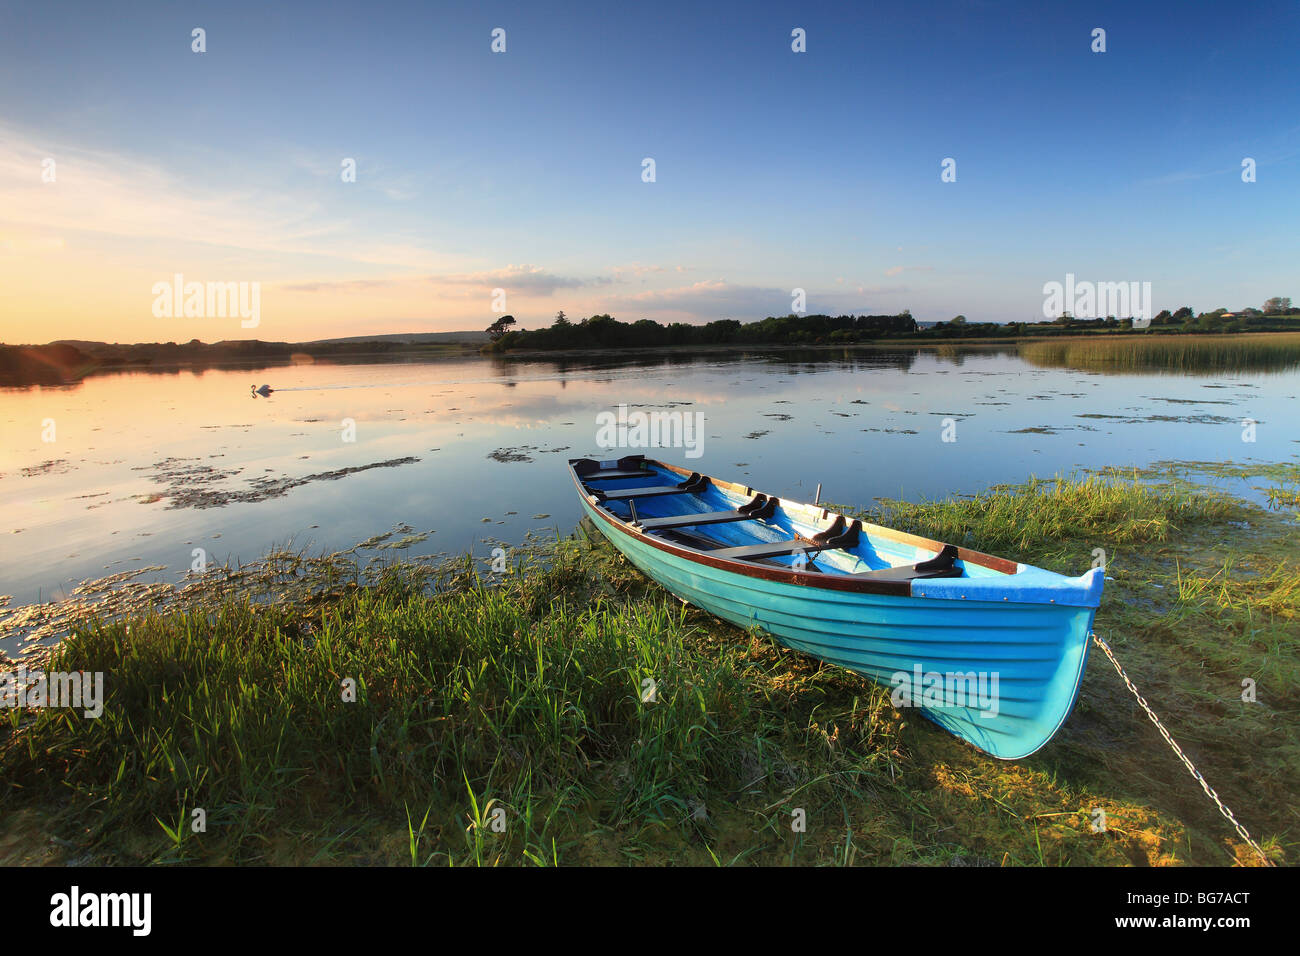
1242	831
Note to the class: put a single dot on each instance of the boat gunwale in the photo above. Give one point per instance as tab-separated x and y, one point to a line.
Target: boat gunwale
813	514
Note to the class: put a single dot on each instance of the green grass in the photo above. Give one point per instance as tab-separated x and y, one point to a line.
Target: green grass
1282	495
522	703
1040	516
1169	353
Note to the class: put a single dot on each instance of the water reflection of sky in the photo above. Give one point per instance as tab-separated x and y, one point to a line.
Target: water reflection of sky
864	425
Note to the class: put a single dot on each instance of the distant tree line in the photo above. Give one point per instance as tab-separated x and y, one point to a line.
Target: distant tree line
1270	318
606	332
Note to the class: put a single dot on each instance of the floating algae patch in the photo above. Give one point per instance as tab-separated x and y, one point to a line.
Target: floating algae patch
405	542
1203	419
1279	471
187	484
523	453
383	542
117	595
193	485
1194	419
1190	401
55	466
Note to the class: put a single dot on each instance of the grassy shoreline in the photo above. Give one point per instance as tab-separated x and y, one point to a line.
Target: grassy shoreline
517	700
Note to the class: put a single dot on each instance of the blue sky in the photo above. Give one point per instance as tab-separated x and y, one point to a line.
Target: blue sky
522	170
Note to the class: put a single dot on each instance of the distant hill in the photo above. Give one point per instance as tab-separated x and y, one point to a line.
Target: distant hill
84	344
51	364
410	338
70	360
396	338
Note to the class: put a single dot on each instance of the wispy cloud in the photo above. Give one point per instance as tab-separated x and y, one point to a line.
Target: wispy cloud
123	197
1187	176
103	192
528	279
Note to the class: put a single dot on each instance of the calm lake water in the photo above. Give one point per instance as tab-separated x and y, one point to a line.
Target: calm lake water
144	468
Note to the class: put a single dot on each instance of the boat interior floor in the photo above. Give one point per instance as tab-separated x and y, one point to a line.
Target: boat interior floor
841	535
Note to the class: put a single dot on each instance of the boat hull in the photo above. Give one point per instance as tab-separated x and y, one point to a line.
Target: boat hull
999	674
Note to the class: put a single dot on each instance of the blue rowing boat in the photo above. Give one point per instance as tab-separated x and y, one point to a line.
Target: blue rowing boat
991	650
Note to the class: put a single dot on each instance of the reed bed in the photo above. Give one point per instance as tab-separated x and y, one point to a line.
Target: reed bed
1175	354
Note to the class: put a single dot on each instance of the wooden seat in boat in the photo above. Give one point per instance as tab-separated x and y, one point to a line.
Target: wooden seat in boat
760	507
692	485
838	535
629	466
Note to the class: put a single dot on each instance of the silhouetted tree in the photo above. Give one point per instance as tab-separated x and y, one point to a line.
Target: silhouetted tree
500	327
